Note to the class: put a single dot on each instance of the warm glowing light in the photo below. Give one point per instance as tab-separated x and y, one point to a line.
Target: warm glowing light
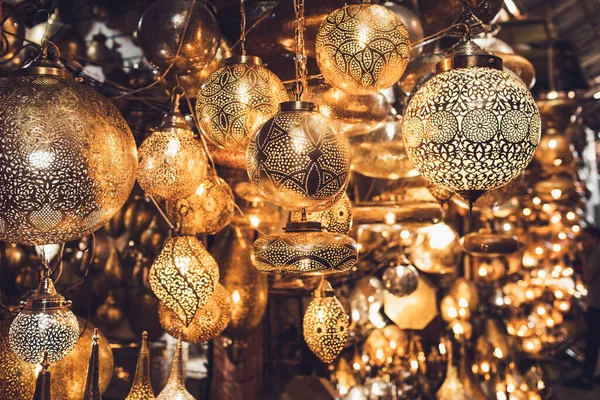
527	212
537	201
571	215
556	193
404	234
390	218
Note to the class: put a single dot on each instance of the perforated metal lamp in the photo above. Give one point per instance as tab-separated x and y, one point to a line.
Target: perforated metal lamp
68	159
325	324
304	249
472	127
236	100
298	159
45	330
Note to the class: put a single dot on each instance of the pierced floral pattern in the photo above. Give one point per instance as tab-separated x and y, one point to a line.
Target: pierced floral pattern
297	160
68	160
304	253
34	332
235	101
208	210
442	126
498	129
515	126
362	48
480	125
326	328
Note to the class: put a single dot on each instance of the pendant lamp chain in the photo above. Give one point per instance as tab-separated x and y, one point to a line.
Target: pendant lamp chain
243	27
300	50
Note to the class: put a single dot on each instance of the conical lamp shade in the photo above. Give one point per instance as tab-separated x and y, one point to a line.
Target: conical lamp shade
142	388
175	388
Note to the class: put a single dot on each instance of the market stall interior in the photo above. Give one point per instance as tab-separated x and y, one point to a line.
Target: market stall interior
291	199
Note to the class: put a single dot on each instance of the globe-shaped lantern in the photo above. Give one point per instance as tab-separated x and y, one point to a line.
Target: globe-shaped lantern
297	159
236	100
46	330
362	48
67	157
472	127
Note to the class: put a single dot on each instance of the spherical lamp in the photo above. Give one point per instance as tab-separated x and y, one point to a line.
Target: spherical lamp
45	330
401	278
183	276
208	210
163	41
236	100
380	153
362	48
354	114
325	324
297	159
67	157
436	249
472	127
17	378
172	161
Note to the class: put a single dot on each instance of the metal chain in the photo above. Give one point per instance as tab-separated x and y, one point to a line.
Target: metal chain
300	50
243	27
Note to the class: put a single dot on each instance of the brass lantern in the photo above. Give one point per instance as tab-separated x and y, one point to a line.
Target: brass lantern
208	322
472	127
362	48
67	157
164	42
236	100
18	378
208	210
304	250
248	288
325	324
354	114
45	330
297	159
337	218
172	160
183	276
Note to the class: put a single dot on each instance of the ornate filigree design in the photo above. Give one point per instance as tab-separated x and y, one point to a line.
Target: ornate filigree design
325	327
67	160
362	48
304	253
208	322
142	387
297	160
172	164
235	101
471	129
184	276
208	210
33	332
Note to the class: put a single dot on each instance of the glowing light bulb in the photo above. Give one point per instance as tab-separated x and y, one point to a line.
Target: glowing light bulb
556	193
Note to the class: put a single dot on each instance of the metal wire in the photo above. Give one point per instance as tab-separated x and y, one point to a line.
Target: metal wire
243	27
